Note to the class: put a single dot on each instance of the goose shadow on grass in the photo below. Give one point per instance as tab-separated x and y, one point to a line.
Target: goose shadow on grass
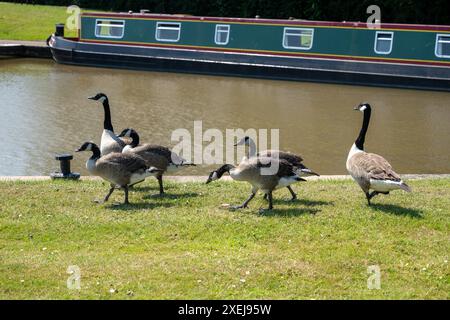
170	196
288	212
302	202
136	206
397	210
293	210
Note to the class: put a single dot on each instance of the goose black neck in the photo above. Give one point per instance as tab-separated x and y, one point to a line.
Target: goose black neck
362	135
221	171
135	139
95	152
107	124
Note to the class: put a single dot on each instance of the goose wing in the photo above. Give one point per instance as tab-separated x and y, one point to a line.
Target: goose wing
125	162
156	156
373	166
292	158
285	169
163	153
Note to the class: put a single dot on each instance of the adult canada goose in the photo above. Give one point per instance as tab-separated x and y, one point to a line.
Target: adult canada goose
154	155
109	142
371	171
251	171
295	160
121	170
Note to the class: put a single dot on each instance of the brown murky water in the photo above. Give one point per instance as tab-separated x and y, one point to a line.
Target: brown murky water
44	110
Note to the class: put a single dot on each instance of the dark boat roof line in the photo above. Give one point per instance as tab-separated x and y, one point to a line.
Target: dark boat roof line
269	21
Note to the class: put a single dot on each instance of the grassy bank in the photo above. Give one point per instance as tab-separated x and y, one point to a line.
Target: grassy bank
185	245
30	22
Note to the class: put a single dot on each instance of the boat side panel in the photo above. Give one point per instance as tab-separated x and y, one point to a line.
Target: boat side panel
357	42
196	62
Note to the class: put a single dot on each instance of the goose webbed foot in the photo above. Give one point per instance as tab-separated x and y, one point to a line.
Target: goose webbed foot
238	207
370	196
245	204
111	190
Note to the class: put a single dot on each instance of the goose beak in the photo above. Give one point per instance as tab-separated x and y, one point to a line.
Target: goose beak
91	98
309	172
78	150
356	108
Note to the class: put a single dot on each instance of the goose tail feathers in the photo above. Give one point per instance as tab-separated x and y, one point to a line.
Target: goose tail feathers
405	187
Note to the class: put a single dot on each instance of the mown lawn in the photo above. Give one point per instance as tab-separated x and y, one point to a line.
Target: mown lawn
186	246
30	22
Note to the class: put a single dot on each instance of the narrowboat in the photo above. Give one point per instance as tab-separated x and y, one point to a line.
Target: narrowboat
392	55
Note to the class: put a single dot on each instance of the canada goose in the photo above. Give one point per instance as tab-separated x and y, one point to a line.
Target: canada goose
250	170
293	159
121	170
109	142
371	171
154	155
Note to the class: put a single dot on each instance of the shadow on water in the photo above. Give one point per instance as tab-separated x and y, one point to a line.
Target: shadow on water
397	210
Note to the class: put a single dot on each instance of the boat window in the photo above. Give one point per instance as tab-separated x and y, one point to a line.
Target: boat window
222	34
298	38
443	46
384	42
105	28
166	31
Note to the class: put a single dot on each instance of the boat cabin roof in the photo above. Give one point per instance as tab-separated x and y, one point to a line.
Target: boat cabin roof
284	22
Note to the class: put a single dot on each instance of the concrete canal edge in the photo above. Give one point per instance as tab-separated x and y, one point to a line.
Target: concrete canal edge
191	179
25	49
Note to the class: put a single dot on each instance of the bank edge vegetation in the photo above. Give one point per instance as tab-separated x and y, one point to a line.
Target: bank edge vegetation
401	11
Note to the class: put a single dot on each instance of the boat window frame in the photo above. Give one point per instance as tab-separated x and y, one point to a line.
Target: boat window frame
110	20
169	23
439	35
285	33
391	47
216	39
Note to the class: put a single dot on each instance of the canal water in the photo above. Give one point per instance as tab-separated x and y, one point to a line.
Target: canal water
44	110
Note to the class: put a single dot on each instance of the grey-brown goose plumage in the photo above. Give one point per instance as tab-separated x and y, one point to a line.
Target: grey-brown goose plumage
257	172
371	171
120	170
110	142
295	160
154	155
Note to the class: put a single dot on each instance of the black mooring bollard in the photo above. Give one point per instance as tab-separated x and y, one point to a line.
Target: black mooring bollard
65	173
59	32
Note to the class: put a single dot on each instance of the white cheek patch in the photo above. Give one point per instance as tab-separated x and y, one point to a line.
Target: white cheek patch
89	147
214	176
363	108
102	99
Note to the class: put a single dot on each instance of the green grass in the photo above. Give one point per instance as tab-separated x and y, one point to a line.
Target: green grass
30	22
185	246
